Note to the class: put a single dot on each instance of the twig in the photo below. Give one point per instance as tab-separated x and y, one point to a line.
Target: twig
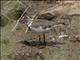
19	19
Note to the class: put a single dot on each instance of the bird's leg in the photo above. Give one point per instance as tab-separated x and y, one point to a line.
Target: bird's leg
44	39
39	39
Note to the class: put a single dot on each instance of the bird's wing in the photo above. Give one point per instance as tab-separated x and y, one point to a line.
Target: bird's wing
38	30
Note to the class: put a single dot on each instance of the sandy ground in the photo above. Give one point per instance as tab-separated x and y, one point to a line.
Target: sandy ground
67	16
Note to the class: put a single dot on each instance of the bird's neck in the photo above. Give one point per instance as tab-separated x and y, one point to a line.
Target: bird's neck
29	28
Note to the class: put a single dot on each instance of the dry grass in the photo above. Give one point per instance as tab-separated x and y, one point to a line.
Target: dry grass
58	49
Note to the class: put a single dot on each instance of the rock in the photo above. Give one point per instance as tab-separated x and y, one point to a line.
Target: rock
47	16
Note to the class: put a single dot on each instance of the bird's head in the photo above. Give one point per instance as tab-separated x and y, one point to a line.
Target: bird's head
29	22
26	21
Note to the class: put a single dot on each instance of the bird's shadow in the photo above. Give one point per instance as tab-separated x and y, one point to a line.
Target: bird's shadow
37	43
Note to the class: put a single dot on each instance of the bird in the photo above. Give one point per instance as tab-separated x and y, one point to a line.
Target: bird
37	30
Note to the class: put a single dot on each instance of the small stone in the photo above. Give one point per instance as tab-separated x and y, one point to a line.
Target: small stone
47	16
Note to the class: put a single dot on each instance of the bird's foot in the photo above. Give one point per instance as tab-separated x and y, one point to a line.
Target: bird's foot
44	43
41	45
